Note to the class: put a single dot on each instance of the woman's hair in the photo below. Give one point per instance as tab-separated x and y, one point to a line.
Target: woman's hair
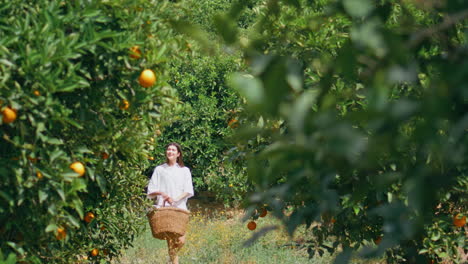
180	160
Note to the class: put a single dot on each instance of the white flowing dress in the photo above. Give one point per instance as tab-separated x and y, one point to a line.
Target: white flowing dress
172	180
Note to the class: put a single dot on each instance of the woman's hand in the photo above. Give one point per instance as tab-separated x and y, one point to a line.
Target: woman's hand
168	199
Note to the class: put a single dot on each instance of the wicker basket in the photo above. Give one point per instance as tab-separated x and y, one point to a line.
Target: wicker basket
168	222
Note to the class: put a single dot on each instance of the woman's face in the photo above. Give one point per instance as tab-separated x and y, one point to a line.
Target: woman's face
172	153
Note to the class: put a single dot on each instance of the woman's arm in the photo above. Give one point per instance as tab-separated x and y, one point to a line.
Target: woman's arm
154	194
176	200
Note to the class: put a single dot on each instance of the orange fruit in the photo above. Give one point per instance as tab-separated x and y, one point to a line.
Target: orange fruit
263	212
94	252
252	225
89	217
104	155
8	115
39	175
33	160
233	123
158	132
36	93
102	228
151	158
124	105
147	78
378	240
78	167
459	221
135	52
61	233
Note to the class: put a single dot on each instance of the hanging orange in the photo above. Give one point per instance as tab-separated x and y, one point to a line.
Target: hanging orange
104	155
135	52
459	221
89	217
147	78
78	167
378	240
233	123
8	115
263	212
61	233
124	105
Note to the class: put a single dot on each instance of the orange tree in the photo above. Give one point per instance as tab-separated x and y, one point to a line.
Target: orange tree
360	121
70	94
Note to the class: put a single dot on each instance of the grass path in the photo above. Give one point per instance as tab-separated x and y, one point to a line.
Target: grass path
216	235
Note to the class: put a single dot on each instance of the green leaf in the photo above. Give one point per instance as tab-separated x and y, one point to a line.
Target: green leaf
73	123
51	228
83	149
16	247
42	196
78	205
248	86
358	8
294	75
435	236
368	34
356	209
226	27
6	62
301	109
61	193
11	259
7	197
73	221
54	141
78	184
52	209
101	181
55	154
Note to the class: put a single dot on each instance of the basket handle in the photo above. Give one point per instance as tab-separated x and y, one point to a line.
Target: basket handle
170	205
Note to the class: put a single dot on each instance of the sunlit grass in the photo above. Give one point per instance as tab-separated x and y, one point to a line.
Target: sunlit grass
218	236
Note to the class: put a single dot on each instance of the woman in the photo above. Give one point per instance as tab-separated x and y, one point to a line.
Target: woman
171	183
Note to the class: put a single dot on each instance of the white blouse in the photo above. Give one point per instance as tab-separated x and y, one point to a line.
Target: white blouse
172	180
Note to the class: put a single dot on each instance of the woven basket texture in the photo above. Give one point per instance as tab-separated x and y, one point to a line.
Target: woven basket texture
168	222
